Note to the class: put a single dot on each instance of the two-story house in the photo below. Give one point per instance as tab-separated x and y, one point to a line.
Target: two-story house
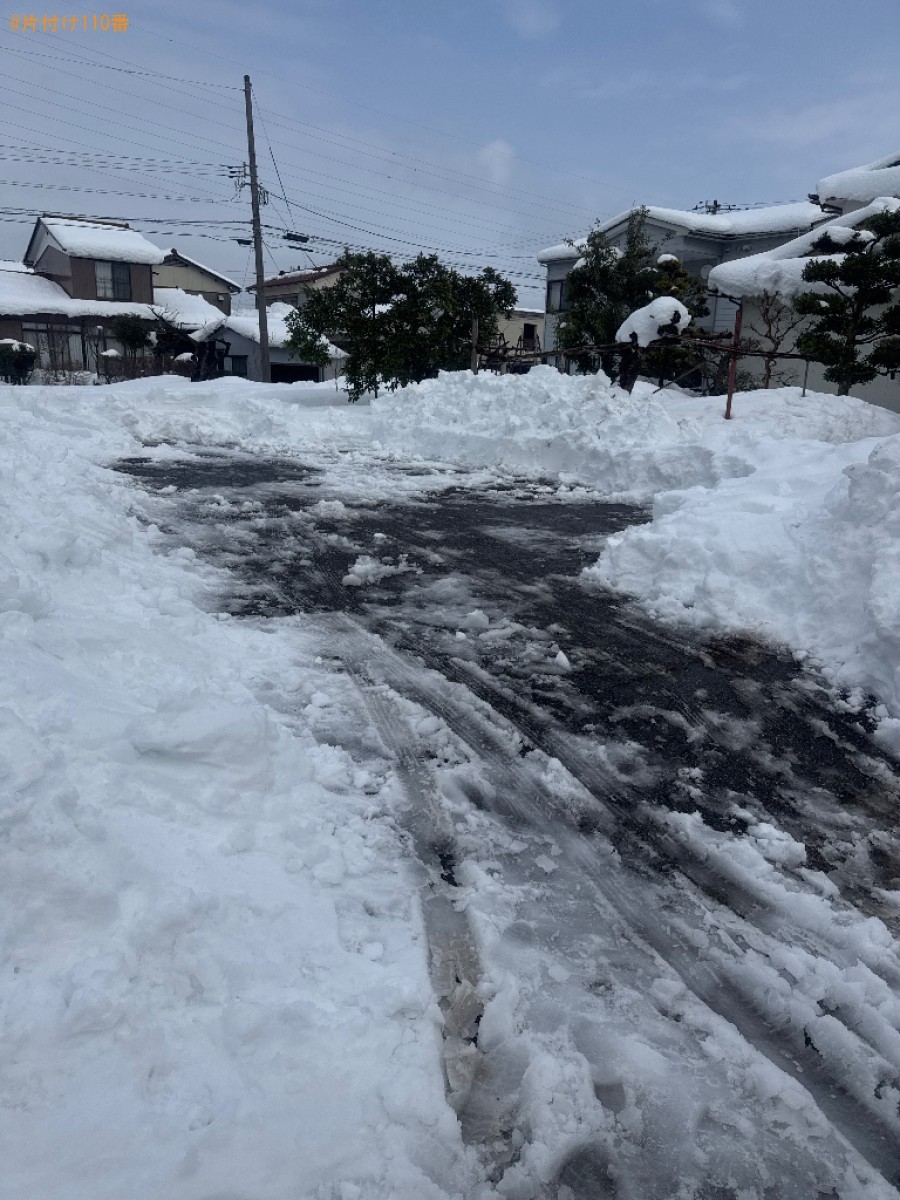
79	274
701	240
178	271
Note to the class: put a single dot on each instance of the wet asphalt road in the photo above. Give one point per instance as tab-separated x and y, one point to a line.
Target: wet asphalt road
649	720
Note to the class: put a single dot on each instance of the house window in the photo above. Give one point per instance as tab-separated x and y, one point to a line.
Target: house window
236	364
113	280
529	333
554	295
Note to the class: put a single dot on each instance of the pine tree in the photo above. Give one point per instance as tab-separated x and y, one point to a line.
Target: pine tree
398	324
608	284
602	289
673	279
855	329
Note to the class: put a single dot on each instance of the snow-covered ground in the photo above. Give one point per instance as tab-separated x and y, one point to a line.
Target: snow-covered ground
782	521
216	977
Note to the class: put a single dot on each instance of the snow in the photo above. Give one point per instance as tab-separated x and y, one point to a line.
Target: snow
645	324
215	981
26	294
8	264
109	243
184	309
769	523
862	184
781	269
774	218
216	970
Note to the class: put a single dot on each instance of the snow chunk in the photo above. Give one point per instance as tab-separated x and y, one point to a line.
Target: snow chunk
648	323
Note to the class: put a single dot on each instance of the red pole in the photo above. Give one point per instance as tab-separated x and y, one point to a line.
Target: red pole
732	366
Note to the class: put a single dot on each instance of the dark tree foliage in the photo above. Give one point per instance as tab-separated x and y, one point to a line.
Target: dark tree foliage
601	291
676	360
398	324
17	361
855	328
610	283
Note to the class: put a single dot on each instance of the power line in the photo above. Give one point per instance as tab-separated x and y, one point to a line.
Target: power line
370	149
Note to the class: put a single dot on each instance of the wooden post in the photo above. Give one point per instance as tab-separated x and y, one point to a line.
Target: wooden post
474	362
265	373
805	377
732	366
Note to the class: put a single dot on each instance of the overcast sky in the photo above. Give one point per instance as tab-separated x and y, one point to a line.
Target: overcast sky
484	129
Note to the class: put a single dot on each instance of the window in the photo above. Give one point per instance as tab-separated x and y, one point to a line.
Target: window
236	364
529	333
554	295
113	280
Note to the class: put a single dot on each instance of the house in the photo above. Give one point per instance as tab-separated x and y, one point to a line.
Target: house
94	259
289	287
238	336
523	330
77	276
178	271
778	272
701	240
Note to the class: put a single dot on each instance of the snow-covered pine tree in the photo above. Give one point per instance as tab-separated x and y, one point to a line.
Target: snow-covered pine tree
855	328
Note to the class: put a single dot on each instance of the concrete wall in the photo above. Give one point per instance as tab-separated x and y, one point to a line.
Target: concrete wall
514	328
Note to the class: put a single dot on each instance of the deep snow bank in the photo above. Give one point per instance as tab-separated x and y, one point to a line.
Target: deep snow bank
215	982
782	521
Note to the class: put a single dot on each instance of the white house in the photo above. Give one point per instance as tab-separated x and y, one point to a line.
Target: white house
701	240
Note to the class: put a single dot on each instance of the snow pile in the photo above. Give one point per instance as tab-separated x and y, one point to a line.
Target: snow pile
804	551
660	316
545	422
215	981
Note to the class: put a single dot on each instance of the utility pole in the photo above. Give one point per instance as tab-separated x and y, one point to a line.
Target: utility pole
265	372
474	359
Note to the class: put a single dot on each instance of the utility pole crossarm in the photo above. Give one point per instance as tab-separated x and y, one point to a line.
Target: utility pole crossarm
265	372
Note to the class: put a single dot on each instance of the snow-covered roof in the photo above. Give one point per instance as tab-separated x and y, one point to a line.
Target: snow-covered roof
299	277
246	324
184	308
192	262
23	294
10	264
862	184
781	269
97	239
744	222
